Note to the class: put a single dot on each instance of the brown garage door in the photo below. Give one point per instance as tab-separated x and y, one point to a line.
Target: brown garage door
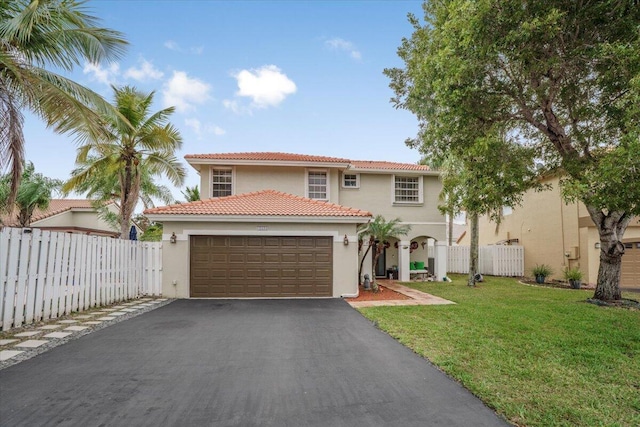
631	265
251	266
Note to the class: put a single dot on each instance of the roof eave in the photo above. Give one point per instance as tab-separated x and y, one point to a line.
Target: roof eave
198	162
258	218
395	171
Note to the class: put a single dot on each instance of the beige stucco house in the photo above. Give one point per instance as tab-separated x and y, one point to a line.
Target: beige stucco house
560	235
71	216
286	225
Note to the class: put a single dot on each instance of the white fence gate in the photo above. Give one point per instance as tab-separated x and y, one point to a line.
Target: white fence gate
495	260
44	275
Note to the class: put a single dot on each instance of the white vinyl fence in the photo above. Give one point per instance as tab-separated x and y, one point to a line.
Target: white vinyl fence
495	260
44	275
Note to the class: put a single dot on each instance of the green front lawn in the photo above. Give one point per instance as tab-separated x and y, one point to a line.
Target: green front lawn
539	356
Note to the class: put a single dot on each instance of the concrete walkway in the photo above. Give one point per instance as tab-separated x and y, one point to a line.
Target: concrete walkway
237	363
417	297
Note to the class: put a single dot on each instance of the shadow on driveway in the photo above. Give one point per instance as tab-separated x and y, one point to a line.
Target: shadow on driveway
232	362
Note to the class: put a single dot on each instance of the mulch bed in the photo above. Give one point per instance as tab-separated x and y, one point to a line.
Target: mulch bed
384	294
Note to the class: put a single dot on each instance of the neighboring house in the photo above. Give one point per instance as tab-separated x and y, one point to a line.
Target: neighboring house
278	224
560	235
68	215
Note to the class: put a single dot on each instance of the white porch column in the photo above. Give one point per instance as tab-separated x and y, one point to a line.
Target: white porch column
441	255
403	260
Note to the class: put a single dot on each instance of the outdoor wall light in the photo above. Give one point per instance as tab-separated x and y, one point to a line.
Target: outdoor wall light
173	237
597	245
345	240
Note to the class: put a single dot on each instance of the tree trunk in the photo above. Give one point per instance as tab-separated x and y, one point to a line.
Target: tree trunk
362	263
473	249
129	193
611	227
374	284
450	228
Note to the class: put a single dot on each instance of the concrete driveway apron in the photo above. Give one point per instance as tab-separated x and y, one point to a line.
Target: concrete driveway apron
237	363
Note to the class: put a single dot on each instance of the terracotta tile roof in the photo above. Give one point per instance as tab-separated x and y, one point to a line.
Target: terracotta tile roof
372	164
56	206
263	203
268	156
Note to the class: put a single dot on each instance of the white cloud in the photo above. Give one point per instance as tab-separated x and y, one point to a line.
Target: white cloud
207	129
145	72
171	45
339	44
106	75
185	92
267	86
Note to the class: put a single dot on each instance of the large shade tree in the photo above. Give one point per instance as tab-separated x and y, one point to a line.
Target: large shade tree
491	174
562	75
138	145
35	192
37	37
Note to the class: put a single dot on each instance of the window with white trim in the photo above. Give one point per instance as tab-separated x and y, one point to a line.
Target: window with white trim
221	182
407	189
317	185
350	180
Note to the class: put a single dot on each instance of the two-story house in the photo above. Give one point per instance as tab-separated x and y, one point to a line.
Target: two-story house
286	225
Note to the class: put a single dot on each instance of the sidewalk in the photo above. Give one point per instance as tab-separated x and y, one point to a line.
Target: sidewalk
417	297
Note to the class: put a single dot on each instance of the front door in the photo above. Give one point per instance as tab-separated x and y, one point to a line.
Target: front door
381	269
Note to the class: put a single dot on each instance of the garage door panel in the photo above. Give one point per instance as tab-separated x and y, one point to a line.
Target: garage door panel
324	243
306	258
237	258
288	273
254	258
271	258
255	266
322	258
272	242
271	273
289	258
215	241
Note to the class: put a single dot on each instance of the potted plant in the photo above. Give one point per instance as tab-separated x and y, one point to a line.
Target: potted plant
541	272
574	277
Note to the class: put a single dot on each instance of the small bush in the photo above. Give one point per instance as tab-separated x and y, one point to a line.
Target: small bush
542	270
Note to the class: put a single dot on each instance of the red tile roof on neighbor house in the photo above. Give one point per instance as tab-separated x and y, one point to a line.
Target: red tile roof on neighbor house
56	206
372	164
267	156
262	203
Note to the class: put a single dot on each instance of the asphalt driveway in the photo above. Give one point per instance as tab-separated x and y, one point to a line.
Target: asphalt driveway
237	363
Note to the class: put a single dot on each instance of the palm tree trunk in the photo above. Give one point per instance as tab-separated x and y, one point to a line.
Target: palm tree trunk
362	263
374	284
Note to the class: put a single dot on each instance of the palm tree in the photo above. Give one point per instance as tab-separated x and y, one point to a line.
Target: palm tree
191	194
48	33
103	187
138	146
35	191
378	231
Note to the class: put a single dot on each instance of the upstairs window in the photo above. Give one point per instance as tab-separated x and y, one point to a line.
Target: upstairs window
317	185
407	189
221	182
350	180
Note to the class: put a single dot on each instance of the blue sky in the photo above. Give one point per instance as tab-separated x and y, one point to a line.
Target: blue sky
291	76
